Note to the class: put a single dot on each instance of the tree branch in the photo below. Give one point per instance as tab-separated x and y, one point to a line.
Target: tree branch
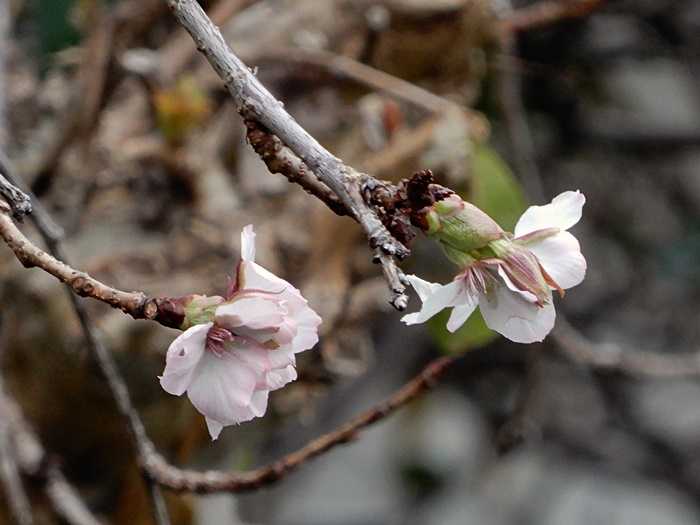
254	102
33	461
547	12
207	482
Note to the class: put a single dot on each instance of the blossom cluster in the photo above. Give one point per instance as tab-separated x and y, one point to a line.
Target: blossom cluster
237	349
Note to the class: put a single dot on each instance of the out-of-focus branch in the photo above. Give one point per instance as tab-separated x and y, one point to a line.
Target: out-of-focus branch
33	461
16	497
612	357
347	68
208	482
255	102
547	12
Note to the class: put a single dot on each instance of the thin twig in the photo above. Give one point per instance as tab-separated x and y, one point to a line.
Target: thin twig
137	304
17	500
255	102
77	282
208	482
33	461
547	12
607	356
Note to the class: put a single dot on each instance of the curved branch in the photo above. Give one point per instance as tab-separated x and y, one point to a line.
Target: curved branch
207	482
137	304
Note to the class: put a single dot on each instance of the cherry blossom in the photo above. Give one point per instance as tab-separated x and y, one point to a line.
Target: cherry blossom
511	278
229	364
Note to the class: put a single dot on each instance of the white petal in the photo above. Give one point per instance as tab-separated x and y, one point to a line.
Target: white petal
248	243
512	316
258	403
560	256
222	388
563	212
280	377
441	297
460	314
528	296
214	428
182	359
423	288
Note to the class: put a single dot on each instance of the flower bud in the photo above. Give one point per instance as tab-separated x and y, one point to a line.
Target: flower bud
460	225
200	309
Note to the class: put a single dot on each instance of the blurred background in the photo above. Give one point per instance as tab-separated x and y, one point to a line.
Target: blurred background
125	133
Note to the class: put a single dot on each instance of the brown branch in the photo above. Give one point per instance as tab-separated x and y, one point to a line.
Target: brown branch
547	12
208	482
255	102
81	283
612	357
280	159
137	304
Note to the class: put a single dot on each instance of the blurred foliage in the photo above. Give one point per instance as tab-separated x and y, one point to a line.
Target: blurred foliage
56	29
180	109
495	190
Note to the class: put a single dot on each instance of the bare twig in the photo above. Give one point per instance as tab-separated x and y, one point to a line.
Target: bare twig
547	12
82	284
345	67
208	482
33	461
137	304
19	201
255	102
614	358
15	495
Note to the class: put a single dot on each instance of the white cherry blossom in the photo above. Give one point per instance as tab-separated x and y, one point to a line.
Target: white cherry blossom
514	288
229	365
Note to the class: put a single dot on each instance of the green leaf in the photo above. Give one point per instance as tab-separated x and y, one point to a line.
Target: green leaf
472	334
495	189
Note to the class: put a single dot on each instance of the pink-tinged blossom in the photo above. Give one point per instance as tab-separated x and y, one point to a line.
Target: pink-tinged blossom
511	278
229	364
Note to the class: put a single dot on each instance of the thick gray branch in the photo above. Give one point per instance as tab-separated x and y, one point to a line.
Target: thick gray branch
255	102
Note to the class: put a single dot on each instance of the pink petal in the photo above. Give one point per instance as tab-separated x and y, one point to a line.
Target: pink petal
440	297
528	296
214	428
222	388
258	403
512	316
563	212
184	354
560	256
276	379
248	243
257	313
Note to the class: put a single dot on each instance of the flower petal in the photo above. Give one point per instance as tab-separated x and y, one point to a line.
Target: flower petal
276	379
512	316
222	388
440	297
257	313
258	403
214	428
184	354
460	314
528	296
248	243
563	212
560	256
423	288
